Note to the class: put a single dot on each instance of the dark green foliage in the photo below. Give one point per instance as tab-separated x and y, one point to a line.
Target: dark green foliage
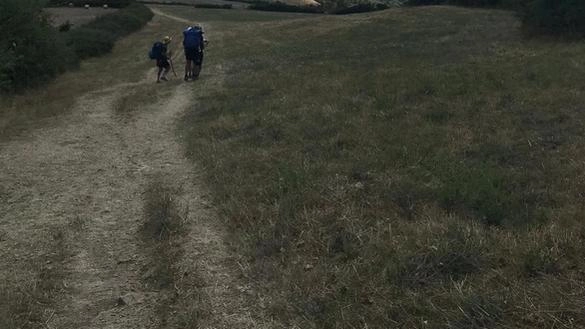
475	3
213	6
481	189
196	5
117	25
281	6
362	8
31	51
566	17
65	26
98	37
509	4
425	2
92	3
88	42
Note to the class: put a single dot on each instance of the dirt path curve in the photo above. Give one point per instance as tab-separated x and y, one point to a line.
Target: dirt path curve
169	16
89	174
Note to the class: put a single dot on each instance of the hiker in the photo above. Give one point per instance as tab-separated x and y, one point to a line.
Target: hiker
194	43
160	51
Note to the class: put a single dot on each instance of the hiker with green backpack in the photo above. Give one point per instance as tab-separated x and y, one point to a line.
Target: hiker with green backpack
161	53
193	43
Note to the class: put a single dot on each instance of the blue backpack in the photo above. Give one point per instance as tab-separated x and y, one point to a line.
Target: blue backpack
156	51
192	37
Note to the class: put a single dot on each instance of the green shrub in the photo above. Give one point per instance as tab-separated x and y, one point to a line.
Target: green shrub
281	6
122	22
361	8
510	4
425	2
117	25
65	26
196	5
213	6
88	42
92	3
475	3
566	17
31	51
482	190
98	37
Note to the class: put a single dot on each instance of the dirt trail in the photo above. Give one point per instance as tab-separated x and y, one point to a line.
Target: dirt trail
88	174
169	16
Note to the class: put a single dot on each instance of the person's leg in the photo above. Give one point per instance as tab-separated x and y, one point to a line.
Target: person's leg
198	63
158	75
167	68
187	64
188	70
190	56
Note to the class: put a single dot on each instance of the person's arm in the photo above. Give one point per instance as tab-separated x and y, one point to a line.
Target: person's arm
203	41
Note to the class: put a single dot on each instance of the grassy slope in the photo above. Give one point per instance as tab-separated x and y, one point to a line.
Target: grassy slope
410	168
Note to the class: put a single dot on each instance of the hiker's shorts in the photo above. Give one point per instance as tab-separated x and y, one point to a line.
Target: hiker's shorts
163	63
194	54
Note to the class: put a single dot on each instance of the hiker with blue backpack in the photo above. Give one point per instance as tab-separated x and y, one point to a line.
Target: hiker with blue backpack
161	53
194	43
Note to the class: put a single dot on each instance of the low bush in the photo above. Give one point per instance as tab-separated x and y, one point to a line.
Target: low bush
556	17
281	6
98	37
425	2
31	51
88	42
475	3
116	25
65	27
361	8
213	6
197	5
92	3
482	190
506	4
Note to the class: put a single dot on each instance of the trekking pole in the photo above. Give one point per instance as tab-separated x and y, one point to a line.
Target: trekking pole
172	67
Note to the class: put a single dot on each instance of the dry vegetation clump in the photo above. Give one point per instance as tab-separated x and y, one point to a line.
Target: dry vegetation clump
163	223
181	303
27	301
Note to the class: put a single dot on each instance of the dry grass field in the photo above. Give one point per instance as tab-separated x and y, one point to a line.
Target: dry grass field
410	168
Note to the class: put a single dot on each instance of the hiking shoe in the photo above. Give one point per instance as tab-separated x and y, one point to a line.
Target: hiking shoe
164	79
186	78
